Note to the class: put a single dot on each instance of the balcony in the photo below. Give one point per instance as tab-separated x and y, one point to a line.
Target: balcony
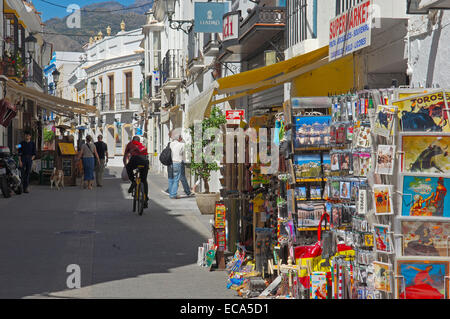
262	24
171	74
210	44
37	75
195	60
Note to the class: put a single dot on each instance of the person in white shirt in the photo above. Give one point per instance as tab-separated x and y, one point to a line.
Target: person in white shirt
178	169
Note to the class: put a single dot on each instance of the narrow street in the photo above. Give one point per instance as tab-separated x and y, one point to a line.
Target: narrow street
121	254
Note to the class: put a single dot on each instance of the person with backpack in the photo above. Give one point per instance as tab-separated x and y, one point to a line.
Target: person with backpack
88	154
137	154
178	168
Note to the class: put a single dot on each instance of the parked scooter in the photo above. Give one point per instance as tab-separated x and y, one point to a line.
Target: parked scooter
10	175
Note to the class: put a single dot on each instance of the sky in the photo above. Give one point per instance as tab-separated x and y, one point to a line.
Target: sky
49	11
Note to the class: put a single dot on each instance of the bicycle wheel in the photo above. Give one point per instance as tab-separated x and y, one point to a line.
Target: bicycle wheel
141	200
135	197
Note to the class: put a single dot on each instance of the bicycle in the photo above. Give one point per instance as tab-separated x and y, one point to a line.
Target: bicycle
139	197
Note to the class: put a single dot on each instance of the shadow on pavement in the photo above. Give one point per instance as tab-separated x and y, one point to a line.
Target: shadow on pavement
34	256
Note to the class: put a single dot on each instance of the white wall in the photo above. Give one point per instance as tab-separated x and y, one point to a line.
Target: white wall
430	50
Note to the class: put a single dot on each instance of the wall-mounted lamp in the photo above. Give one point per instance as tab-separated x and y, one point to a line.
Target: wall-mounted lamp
176	24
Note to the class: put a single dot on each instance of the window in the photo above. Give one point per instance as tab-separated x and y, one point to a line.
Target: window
344	5
296	21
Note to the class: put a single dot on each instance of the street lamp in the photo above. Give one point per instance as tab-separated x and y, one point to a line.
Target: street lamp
30	47
94	89
176	24
55	74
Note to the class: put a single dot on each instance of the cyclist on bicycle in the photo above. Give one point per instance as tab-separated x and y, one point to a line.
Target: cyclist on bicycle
138	156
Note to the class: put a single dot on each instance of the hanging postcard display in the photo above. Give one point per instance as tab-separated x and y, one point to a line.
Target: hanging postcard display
382	238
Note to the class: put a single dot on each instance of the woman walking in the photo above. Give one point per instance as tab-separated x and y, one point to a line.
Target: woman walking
89	153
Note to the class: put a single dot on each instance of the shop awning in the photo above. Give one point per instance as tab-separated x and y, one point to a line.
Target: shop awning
274	74
50	102
198	106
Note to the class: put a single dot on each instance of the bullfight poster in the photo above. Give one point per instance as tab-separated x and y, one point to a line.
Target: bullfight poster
424	113
424	154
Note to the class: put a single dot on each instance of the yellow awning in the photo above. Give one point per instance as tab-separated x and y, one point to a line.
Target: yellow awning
50	102
257	80
276	73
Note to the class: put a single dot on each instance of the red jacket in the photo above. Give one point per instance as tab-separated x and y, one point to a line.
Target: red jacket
136	148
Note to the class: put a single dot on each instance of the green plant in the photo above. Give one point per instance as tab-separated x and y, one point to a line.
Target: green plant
203	167
49	135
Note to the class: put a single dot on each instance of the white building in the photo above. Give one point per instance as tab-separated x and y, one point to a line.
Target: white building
110	78
18	21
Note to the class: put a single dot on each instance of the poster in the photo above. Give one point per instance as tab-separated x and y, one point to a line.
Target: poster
424	238
425	154
382	276
422	278
425	196
385	160
382	199
424	113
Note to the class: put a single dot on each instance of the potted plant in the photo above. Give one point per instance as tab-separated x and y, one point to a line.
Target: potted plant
204	165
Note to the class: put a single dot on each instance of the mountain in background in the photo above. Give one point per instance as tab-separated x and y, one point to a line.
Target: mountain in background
70	39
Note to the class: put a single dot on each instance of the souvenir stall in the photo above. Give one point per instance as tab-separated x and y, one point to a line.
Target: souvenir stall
359	207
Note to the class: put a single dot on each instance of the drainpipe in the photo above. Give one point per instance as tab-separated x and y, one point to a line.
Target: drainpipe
315	19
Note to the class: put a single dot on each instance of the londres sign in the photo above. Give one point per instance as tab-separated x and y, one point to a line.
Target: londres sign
350	31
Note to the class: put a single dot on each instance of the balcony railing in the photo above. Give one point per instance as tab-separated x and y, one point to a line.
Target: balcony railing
264	16
171	66
37	75
123	101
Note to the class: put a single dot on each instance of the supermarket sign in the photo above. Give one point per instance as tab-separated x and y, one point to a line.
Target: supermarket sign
232	115
350	31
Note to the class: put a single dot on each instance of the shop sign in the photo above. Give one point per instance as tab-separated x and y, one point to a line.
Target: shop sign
350	31
208	17
230	26
232	115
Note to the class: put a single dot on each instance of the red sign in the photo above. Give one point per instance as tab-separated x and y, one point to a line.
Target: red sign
234	114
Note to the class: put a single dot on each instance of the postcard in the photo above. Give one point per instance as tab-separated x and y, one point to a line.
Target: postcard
383	199
385	159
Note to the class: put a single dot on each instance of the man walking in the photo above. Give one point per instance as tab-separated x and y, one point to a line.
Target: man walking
178	171
102	150
27	154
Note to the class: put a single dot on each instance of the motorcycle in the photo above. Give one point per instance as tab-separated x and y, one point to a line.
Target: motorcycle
10	175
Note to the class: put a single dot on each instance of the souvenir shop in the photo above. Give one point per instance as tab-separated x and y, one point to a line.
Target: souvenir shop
358	208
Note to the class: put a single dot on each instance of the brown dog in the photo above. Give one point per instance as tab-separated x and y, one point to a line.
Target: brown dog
57	178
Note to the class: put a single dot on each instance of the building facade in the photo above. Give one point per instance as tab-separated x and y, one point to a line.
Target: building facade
110	78
24	53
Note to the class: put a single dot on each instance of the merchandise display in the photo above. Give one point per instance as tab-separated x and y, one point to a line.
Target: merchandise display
358	208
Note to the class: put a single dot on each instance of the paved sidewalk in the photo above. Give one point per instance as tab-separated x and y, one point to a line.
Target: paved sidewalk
121	254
